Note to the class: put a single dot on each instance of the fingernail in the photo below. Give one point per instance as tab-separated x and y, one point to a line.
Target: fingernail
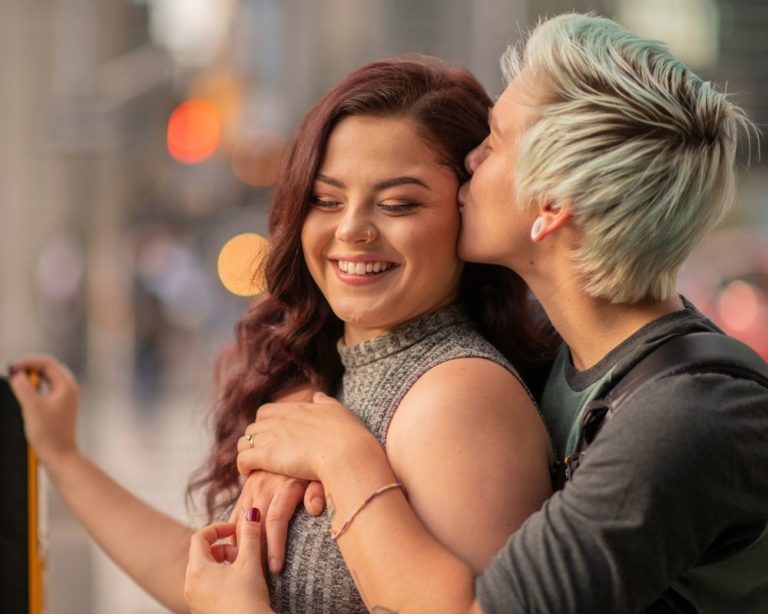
273	566
317	503
253	515
13	370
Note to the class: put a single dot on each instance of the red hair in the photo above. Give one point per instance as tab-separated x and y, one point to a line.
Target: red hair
288	337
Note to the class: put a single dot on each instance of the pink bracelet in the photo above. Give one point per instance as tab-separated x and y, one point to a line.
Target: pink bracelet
336	534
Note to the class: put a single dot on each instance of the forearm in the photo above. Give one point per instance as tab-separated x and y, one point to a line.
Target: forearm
148	545
397	564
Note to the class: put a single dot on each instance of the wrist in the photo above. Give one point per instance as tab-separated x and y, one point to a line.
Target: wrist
364	453
59	464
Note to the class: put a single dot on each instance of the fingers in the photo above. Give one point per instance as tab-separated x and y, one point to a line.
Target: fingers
248	440
224	553
245	501
248	462
314	498
57	375
279	515
205	556
202	542
249	532
235	513
22	388
205	545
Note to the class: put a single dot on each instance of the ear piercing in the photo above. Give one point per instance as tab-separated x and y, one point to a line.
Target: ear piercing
536	229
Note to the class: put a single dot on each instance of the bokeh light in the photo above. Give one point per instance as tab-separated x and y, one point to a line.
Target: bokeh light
194	131
241	264
738	305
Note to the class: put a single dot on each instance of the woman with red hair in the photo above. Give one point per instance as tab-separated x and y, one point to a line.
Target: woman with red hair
366	300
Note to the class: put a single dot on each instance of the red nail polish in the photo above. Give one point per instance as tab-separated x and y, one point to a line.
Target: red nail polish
253	515
13	370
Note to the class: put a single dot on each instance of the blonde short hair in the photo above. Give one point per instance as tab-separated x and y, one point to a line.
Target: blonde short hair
641	146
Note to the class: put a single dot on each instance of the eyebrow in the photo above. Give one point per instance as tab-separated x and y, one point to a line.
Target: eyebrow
381	185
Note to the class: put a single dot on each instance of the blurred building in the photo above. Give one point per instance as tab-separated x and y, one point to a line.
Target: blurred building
111	222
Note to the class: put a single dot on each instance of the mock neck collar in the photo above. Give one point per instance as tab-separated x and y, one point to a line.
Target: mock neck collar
401	337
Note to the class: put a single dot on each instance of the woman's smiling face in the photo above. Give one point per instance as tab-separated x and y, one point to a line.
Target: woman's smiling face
380	236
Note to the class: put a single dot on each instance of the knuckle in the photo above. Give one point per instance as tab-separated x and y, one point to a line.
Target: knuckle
277	514
259	480
293	488
265	411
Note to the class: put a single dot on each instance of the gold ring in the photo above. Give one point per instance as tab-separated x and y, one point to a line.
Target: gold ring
249	439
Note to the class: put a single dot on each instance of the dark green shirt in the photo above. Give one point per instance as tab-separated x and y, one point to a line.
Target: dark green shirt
672	492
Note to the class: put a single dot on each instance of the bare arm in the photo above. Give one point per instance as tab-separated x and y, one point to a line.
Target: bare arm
398	563
151	547
473	453
474	459
148	545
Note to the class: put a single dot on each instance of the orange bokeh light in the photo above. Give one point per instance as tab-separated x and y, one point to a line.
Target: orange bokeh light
241	264
194	131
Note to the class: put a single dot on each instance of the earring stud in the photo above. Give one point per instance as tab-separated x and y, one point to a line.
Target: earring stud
536	229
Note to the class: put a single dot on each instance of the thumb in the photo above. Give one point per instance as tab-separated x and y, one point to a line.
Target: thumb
21	387
314	498
249	533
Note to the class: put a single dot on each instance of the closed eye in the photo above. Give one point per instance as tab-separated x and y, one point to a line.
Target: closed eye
399	207
322	203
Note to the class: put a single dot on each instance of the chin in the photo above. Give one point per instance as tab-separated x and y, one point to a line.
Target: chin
470	252
359	316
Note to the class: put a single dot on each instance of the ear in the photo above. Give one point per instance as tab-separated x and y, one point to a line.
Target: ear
552	216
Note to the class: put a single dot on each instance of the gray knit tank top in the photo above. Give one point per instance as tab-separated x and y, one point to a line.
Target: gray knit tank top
378	374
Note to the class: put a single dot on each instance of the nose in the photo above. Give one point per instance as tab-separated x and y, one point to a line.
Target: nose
355	226
474	158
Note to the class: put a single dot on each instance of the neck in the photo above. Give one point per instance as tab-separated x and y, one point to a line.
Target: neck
593	327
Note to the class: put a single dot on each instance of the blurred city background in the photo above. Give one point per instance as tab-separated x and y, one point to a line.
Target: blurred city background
138	137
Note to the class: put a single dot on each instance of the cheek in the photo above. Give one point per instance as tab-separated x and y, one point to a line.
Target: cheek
312	242
438	242
494	187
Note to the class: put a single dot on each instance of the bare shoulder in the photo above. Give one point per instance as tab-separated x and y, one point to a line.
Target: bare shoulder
468	387
472	450
463	397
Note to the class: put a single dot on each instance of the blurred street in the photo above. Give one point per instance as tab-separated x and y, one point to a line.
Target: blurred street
141	137
153	460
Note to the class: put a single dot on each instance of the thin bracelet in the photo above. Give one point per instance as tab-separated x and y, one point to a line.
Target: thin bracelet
336	534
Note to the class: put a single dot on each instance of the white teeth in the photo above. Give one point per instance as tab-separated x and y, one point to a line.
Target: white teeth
363	268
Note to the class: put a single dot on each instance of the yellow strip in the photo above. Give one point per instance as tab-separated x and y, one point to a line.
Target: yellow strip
35	565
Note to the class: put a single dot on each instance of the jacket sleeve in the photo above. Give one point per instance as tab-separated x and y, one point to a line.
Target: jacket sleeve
680	464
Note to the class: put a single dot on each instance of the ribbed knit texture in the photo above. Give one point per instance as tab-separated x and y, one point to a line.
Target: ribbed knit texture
378	374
